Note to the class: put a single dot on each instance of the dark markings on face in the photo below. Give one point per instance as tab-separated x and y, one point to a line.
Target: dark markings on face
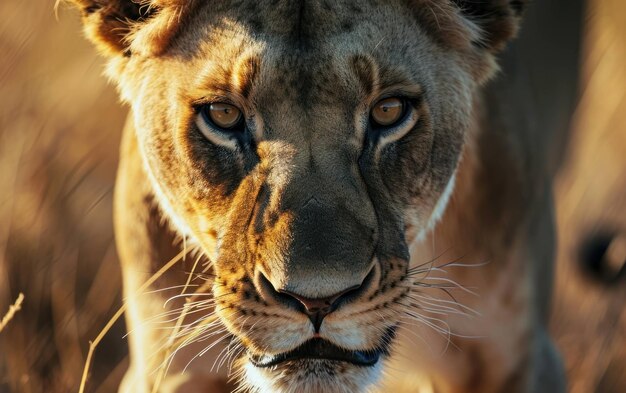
247	70
363	68
306	94
305	200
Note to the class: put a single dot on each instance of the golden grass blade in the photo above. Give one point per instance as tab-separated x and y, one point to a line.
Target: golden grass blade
179	322
14	308
93	344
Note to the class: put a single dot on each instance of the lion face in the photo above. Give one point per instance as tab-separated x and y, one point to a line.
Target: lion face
303	146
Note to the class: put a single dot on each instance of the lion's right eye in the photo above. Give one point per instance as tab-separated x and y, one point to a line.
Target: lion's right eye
223	124
387	112
224	116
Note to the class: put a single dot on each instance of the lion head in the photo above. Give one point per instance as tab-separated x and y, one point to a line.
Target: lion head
303	145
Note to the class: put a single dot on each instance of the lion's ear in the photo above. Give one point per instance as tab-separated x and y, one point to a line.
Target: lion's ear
128	26
497	21
478	28
486	24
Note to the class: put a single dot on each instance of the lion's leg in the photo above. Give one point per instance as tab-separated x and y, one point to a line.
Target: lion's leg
145	244
546	369
517	354
135	228
548	374
503	346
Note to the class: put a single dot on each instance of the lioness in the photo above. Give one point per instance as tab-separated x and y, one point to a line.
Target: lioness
358	215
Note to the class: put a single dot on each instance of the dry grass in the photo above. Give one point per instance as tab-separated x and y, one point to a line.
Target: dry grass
59	131
15	307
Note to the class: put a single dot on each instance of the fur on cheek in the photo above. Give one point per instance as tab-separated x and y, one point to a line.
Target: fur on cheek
436	214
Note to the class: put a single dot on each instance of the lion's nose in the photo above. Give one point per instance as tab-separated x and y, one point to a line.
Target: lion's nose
318	309
315	308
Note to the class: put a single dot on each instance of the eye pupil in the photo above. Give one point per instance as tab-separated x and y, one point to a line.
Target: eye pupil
387	111
224	115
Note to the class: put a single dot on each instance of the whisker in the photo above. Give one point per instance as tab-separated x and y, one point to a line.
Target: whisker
432	260
427	320
449	281
185	295
193	268
165	289
453	303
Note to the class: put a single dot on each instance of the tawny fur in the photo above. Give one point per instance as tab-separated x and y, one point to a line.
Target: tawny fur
306	74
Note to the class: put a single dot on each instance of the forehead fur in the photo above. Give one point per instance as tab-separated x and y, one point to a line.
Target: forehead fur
307	25
242	44
150	27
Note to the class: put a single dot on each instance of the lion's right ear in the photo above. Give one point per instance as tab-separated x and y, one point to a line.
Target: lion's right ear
122	27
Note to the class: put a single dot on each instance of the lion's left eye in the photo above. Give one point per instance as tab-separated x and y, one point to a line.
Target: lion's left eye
388	112
225	116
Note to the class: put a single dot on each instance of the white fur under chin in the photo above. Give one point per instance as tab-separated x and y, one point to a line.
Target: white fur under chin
354	380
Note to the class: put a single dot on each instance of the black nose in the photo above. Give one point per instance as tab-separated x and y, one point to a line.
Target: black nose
316	309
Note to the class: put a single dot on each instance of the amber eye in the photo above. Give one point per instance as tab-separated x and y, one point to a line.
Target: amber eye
223	115
387	111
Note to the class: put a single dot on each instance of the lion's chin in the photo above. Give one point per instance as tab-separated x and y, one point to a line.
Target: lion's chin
311	376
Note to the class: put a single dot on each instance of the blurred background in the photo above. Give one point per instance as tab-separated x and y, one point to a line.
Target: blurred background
60	126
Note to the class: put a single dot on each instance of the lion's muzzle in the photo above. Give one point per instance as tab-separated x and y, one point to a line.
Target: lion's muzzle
315	308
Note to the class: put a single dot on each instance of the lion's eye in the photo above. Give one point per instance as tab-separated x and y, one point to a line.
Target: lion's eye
222	115
387	112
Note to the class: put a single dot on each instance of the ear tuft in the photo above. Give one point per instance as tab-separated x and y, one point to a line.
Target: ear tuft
498	20
115	25
518	6
462	24
477	28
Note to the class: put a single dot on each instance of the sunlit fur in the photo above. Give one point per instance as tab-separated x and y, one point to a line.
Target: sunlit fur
311	199
320	376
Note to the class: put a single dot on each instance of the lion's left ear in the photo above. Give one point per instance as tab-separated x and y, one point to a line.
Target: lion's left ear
497	20
122	27
478	28
486	24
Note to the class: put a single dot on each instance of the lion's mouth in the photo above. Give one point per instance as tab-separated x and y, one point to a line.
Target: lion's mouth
318	348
